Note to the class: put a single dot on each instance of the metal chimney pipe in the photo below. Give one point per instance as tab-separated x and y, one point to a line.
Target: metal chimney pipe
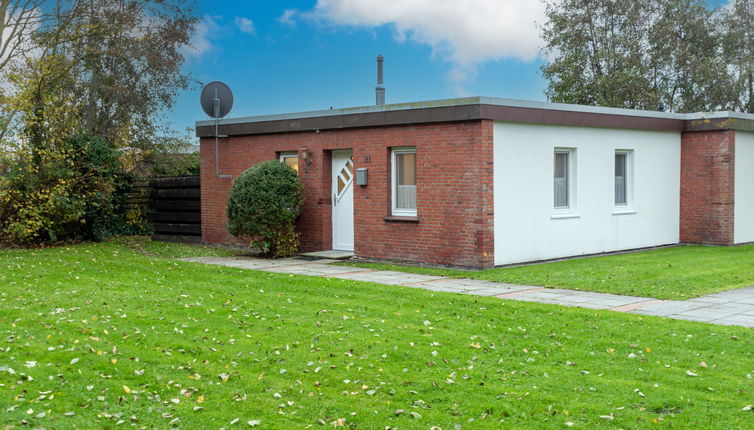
380	61
379	89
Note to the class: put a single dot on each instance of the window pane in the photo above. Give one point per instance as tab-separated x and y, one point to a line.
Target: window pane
405	178
406	165
405	197
561	164
341	185
620	178
292	162
561	180
620	164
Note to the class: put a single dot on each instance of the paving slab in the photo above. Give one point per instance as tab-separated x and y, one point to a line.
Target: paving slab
690	318
704	314
332	254
387	277
711	300
735	307
741	293
315	269
244	262
668	308
488	292
740	319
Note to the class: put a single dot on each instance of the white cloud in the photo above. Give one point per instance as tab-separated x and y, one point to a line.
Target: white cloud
245	25
288	17
462	32
201	41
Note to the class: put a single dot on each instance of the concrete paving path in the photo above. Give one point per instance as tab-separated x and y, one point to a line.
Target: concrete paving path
735	307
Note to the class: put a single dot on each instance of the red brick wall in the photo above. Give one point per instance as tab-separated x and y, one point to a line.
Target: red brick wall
707	187
454	189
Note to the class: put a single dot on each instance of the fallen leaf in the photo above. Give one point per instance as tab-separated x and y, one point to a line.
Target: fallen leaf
690	373
126	389
254	423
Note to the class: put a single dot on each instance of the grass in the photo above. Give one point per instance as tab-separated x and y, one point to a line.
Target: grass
676	273
95	335
145	246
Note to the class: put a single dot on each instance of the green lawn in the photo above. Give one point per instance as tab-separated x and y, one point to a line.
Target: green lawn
99	334
675	273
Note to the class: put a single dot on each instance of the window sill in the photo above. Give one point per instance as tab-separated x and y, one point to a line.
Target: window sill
565	216
408	219
623	211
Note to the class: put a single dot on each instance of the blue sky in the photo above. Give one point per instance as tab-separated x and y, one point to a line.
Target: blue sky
298	55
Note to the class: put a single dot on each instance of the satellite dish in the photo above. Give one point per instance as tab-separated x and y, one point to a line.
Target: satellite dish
216	99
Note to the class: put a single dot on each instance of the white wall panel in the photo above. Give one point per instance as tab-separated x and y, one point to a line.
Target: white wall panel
526	227
743	217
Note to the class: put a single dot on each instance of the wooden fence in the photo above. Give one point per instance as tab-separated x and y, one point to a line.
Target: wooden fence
175	208
138	198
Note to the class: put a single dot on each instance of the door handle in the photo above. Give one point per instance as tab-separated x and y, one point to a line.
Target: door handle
335	199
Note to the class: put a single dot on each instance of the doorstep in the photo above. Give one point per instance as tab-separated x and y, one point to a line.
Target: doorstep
332	254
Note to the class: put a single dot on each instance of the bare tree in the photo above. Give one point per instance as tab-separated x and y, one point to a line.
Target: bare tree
19	19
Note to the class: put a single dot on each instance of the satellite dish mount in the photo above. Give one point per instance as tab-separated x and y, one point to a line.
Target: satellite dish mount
217	101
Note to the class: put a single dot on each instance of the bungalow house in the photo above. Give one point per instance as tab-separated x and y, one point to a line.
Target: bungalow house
479	181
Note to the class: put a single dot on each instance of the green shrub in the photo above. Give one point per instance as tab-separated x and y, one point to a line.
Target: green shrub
173	164
71	191
263	205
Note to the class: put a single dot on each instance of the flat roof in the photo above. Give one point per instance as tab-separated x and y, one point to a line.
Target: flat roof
475	108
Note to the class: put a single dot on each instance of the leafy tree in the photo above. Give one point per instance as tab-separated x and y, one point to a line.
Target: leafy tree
597	52
738	43
635	54
262	206
124	59
686	62
102	74
127	63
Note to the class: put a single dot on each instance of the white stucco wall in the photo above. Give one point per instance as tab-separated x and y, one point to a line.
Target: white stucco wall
525	229
743	217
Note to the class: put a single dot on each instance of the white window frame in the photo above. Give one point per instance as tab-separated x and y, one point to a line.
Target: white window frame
572	174
288	154
394	182
628	207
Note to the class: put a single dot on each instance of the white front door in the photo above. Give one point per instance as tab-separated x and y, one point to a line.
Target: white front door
342	200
